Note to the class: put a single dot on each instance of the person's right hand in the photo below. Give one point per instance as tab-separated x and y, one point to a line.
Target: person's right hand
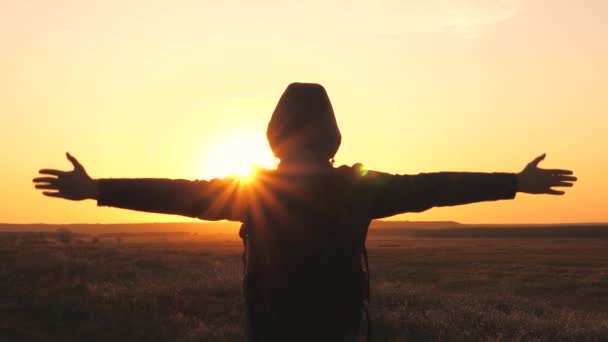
74	185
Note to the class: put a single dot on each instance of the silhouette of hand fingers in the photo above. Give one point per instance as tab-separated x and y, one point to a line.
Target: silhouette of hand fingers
567	178
48	183
52	194
73	185
46	186
50	180
534	163
52	172
535	180
75	162
558	171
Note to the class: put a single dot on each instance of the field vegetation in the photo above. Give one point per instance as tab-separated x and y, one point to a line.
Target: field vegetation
435	284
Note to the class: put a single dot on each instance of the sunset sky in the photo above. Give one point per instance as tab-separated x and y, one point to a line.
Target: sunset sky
172	89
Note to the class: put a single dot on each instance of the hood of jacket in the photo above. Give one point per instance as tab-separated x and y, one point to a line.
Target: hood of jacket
304	120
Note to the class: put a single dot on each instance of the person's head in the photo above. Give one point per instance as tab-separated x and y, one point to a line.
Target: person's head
303	125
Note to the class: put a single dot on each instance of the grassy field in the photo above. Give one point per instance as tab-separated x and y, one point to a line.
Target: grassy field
435	284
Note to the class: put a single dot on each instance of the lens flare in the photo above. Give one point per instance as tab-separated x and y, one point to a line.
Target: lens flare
237	155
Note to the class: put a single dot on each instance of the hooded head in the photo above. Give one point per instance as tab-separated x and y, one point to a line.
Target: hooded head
304	122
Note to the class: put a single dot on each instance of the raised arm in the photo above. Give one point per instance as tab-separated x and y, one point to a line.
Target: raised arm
395	194
210	200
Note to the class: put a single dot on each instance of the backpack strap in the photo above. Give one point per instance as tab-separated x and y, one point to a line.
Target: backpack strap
249	333
366	311
244	235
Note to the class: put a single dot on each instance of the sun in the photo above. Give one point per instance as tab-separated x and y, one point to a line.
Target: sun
236	155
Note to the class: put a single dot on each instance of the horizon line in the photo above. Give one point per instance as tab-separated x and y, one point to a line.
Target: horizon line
387	221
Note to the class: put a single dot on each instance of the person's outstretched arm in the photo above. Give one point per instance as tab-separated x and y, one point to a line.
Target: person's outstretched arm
217	199
396	194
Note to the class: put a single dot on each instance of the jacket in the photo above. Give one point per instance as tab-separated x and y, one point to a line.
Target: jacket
305	222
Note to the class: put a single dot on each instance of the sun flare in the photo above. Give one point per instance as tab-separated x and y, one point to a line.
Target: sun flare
237	155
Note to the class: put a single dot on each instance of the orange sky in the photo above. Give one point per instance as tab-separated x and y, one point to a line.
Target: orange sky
159	89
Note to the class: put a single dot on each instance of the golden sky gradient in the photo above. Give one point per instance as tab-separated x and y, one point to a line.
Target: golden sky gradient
161	89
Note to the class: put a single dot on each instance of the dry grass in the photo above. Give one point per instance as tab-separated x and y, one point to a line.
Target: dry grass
492	290
189	290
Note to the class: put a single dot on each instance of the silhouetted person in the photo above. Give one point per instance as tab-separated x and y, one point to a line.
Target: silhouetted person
306	222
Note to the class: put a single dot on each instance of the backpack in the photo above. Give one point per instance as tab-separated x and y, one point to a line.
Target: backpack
305	281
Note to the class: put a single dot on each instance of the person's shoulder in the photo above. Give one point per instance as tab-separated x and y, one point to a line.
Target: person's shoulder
355	171
359	172
344	168
261	174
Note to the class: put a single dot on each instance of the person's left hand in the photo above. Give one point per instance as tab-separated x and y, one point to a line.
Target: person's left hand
534	180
